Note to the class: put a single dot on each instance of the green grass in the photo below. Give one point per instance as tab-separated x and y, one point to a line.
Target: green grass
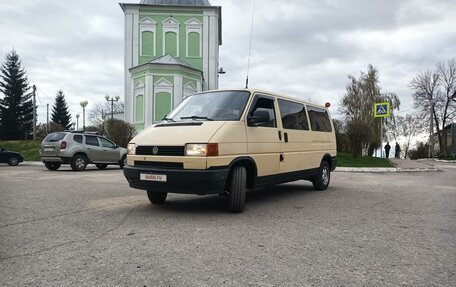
29	149
347	160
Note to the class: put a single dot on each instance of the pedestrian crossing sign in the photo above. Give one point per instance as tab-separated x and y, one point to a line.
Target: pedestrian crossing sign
382	110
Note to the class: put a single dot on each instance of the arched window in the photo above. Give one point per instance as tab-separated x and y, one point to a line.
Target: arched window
171	37
194	44
147	29
163	99
163	104
171	44
193	38
139	109
147	47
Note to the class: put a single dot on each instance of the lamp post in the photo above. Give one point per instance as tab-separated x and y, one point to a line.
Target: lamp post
112	100
77	122
83	105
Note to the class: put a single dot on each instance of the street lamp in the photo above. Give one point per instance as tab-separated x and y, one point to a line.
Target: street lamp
77	122
83	105
112	100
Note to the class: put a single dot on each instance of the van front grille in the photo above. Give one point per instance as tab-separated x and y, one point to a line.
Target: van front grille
165	165
160	150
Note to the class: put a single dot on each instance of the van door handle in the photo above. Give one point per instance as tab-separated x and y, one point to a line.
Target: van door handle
285	135
280	135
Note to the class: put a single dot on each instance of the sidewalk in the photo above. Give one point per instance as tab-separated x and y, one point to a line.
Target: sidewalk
401	165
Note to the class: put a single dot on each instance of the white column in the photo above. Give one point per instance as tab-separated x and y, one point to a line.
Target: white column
148	100
128	90
178	90
205	48
136	38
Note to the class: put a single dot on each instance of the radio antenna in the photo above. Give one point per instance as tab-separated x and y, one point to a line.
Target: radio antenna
250	47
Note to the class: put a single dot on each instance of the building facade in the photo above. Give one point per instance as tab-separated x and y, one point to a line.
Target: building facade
171	51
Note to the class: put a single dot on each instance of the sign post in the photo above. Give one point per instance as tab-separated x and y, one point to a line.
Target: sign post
382	110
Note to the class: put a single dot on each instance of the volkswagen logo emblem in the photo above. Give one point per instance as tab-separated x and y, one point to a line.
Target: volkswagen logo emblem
155	150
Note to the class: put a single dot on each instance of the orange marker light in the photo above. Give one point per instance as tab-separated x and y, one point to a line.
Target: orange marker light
328	104
212	149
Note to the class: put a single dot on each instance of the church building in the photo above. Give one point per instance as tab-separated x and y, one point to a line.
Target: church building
171	51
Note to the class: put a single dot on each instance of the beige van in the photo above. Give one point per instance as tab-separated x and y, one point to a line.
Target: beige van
230	141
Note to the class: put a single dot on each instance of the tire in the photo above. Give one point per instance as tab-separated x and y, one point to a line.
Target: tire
321	180
123	161
52	165
78	162
13	161
157	197
101	165
237	189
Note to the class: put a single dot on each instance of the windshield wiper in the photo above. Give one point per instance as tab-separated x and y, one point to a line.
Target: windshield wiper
197	118
168	119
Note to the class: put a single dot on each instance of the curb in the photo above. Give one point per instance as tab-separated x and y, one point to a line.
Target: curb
31	163
384	169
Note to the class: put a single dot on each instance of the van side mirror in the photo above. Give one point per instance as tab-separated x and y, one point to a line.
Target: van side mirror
258	117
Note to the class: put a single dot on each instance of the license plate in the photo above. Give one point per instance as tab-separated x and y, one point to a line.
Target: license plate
153	177
48	149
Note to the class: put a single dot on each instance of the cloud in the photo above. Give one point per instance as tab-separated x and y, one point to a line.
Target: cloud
303	48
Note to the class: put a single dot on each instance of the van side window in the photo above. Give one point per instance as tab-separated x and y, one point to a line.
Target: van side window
91	140
264	106
77	138
293	115
319	119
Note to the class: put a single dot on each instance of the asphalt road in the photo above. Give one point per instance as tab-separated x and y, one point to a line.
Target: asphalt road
89	228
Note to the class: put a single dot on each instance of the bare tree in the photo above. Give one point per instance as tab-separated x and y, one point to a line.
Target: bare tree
406	128
434	94
102	109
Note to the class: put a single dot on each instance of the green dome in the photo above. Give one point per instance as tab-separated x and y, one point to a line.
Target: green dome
176	2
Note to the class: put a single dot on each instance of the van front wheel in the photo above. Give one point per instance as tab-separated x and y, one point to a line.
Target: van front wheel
237	189
157	197
321	180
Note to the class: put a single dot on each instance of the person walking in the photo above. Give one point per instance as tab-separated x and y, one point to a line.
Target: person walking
387	149
398	151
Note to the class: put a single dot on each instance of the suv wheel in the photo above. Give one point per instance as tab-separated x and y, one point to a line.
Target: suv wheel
123	161
101	165
78	162
52	165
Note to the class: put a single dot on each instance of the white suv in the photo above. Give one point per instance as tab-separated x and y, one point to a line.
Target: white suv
79	149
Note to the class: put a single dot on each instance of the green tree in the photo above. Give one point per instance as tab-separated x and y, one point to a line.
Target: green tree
60	114
358	108
16	107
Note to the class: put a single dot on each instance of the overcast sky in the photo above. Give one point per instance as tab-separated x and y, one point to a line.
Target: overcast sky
301	48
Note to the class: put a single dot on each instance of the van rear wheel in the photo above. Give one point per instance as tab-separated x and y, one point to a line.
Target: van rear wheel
237	189
157	197
321	180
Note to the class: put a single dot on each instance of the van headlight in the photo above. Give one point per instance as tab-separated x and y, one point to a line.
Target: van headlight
131	148
210	149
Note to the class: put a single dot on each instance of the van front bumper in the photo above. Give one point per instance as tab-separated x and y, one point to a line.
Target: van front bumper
189	181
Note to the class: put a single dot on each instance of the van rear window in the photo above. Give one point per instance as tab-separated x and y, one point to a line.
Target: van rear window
319	119
54	137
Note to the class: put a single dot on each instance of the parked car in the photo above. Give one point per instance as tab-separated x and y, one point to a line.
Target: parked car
10	157
78	149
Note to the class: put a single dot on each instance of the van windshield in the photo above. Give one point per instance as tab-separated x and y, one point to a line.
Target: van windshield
212	106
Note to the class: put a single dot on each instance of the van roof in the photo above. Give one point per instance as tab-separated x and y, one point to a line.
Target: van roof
272	94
